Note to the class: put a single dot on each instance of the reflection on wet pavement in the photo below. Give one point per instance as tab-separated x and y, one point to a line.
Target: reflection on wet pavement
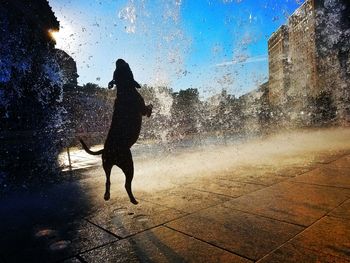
233	203
78	159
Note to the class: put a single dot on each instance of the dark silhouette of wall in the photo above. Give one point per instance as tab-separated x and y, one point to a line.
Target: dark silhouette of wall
30	91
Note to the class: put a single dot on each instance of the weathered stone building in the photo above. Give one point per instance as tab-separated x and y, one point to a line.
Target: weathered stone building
333	55
308	64
278	66
302	63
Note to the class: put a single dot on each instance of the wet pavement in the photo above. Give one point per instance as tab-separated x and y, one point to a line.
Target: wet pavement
291	206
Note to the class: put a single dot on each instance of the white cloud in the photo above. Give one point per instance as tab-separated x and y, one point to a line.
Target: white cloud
239	61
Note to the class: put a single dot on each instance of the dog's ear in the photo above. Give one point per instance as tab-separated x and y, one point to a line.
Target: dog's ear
120	61
137	85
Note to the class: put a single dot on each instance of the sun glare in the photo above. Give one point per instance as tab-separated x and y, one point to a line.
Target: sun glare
64	37
54	34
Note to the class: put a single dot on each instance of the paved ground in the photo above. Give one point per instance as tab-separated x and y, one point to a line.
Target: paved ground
291	206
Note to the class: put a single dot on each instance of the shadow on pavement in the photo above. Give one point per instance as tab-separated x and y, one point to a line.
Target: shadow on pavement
42	225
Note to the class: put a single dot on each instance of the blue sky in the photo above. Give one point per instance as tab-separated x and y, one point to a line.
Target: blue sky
201	44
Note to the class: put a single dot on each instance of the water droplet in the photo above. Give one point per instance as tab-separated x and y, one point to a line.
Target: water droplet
141	218
121	210
59	245
45	233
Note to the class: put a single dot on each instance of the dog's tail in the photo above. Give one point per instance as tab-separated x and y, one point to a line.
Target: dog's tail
88	150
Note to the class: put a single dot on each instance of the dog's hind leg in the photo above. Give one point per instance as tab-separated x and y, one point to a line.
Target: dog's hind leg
107	167
127	166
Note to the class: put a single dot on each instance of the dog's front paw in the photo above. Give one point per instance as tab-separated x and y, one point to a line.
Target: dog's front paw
149	110
110	85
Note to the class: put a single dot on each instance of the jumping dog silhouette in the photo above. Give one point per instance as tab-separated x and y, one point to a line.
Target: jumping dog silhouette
129	107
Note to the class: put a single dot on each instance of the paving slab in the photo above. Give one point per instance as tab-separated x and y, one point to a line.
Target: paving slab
329	235
54	243
294	170
255	176
128	219
228	188
185	199
291	253
343	162
284	170
326	175
161	245
244	234
328	157
343	211
45	223
263	174
296	203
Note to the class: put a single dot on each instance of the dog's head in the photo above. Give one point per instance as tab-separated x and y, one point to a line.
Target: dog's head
121	63
123	71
